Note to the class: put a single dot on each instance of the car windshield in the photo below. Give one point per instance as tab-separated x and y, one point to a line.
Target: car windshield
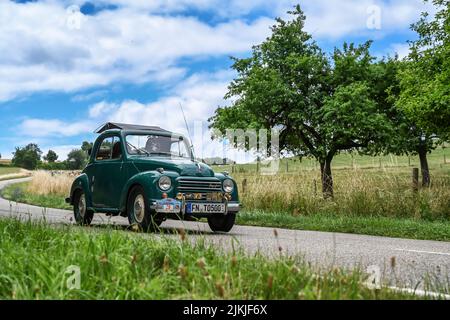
158	145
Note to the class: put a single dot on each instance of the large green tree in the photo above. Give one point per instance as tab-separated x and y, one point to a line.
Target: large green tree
51	156
425	78
410	138
322	107
27	157
76	159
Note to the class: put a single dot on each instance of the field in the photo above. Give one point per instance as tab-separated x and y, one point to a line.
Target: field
368	200
114	264
8	170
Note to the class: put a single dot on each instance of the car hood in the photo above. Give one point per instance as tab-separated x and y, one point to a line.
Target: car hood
183	167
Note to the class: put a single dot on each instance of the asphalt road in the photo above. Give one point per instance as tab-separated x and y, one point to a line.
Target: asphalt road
416	261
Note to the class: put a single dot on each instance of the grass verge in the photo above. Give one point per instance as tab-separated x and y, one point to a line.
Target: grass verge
377	226
18	192
119	265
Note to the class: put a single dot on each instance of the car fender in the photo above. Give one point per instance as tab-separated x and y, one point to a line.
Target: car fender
81	183
145	179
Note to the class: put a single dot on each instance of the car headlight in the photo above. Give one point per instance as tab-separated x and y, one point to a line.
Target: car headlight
164	183
228	185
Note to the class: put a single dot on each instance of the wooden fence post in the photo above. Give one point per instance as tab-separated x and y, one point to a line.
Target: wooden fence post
415	179
244	185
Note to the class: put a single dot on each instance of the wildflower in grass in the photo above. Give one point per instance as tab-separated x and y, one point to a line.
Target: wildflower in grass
220	289
226	277
233	261
270	281
103	259
182	234
182	271
295	270
201	263
166	265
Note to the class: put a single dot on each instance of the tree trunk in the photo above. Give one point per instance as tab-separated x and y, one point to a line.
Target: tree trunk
424	167
327	178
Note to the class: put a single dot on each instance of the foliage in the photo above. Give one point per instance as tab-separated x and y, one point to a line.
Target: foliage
86	145
425	78
51	156
322	107
76	159
27	157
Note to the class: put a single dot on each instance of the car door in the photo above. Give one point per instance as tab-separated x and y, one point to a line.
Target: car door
110	173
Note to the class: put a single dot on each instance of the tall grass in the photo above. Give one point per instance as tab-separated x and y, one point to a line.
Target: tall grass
48	183
370	193
117	265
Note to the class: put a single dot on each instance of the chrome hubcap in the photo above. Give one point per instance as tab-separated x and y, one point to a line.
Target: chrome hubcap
139	208
82	205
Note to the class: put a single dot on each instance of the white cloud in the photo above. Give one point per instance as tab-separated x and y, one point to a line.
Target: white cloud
401	49
62	151
118	45
53	127
89	96
139	42
101	108
332	19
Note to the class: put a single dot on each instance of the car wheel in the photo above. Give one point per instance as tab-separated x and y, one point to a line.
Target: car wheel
139	212
222	223
83	216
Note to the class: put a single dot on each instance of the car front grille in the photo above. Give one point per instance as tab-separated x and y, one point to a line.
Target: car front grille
201	186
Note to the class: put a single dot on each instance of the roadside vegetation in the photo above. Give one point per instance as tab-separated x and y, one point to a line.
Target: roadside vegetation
38	261
8	172
367	200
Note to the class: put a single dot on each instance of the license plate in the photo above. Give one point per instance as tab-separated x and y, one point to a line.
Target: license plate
205	208
168	206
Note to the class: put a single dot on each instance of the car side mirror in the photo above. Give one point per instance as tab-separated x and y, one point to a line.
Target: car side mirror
89	151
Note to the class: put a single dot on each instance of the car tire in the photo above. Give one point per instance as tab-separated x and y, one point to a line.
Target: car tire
83	216
139	212
222	223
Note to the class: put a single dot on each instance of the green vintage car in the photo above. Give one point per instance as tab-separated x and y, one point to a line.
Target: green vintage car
149	174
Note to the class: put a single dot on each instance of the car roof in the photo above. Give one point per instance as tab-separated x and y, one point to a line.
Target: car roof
128	127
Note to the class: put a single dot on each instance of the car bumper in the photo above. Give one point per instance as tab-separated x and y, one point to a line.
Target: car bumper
179	207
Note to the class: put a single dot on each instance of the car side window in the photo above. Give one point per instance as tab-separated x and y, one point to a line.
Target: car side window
105	149
116	149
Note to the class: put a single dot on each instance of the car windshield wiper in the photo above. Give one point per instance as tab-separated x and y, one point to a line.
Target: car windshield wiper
139	150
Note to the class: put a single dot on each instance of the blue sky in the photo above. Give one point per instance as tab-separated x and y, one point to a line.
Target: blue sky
67	66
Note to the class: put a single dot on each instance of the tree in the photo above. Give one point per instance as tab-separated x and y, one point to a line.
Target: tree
425	78
322	107
410	138
86	146
51	156
423	95
76	159
27	157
